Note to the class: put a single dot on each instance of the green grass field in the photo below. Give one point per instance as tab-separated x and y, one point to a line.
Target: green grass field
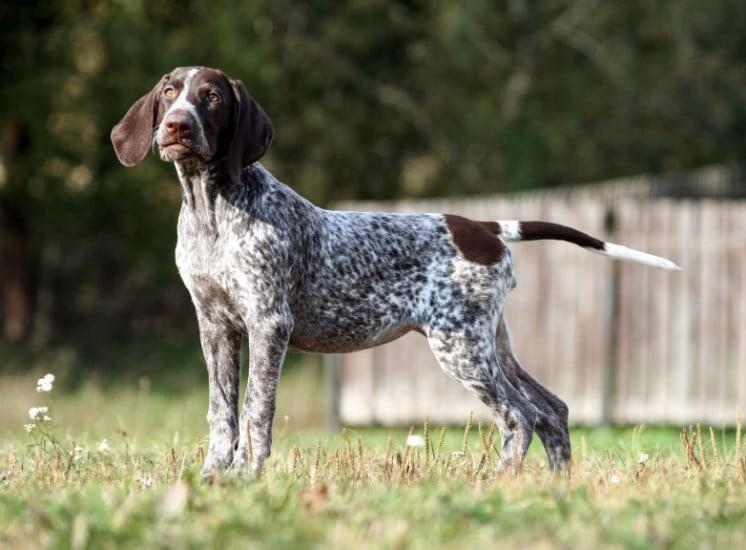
632	487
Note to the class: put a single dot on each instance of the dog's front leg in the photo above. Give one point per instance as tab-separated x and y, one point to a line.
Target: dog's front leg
221	347
268	342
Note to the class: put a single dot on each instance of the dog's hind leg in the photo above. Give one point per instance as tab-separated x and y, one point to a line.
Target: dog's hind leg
471	359
551	421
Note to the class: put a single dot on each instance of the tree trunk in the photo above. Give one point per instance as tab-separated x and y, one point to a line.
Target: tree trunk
14	274
15	286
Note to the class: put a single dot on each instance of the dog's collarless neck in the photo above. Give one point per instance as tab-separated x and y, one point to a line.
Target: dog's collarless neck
201	183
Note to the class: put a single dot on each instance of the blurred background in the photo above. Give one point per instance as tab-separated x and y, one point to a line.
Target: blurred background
481	105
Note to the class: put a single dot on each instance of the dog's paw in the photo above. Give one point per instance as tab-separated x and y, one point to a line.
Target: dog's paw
219	457
214	467
245	469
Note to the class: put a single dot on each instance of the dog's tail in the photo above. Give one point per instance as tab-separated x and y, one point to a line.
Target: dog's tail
513	230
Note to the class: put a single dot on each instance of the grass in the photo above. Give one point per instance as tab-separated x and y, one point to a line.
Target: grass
353	488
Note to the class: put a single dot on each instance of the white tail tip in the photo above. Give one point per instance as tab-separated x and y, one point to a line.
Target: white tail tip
623	253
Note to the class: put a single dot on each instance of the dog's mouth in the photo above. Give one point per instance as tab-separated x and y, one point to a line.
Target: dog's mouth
177	150
176	147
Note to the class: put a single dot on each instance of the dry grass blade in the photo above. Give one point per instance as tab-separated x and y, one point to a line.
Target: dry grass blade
181	468
480	466
441	442
489	438
702	447
350	454
316	463
738	433
713	444
467	428
689	444
404	463
426	436
294	460
361	457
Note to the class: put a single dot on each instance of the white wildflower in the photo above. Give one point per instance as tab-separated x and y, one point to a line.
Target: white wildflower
78	452
44	384
38	413
29	427
615	479
643	458
414	440
103	447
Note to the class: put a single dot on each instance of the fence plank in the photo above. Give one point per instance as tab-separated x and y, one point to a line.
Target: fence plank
737	243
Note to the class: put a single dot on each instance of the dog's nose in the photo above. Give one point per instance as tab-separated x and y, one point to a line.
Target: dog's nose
178	125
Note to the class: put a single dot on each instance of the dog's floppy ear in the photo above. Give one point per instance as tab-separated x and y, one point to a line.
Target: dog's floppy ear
133	135
252	132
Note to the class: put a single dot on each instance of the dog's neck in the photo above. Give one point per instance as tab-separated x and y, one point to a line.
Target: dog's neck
201	182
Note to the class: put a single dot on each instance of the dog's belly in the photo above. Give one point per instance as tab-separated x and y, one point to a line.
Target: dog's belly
316	340
344	322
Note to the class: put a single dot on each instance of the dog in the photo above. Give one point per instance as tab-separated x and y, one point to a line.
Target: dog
259	260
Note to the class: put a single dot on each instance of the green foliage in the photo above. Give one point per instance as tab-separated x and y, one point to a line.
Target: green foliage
370	99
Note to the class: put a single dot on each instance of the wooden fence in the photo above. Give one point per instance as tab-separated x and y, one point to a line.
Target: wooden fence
619	342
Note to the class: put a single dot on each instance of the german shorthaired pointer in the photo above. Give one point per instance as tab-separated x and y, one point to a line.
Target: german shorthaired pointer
260	260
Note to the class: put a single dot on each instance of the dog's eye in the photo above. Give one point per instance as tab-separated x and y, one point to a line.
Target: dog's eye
213	97
170	92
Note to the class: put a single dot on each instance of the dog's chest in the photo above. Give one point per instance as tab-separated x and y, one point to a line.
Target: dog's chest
198	247
203	259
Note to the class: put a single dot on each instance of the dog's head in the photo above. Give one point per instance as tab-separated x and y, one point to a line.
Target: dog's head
195	113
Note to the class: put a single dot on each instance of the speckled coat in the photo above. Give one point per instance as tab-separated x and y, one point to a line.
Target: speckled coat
259	260
292	275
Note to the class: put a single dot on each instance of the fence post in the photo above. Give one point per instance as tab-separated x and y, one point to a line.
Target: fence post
611	320
332	367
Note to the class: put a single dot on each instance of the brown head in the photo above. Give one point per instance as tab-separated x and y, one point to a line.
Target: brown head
195	113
